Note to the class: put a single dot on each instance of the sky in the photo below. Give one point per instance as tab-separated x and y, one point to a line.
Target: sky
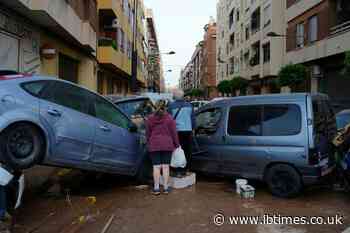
179	25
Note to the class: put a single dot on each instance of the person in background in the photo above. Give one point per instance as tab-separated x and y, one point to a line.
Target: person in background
162	140
183	114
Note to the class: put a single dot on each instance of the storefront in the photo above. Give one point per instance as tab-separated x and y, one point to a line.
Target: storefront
19	50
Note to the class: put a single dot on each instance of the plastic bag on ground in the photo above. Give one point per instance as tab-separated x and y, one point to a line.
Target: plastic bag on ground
178	158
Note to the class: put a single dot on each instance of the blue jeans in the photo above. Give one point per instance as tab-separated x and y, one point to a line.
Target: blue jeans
2	202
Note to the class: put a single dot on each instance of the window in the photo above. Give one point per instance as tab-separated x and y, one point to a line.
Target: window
208	121
255	20
232	41
281	120
245	121
255	59
268	120
300	35
35	88
313	28
247	32
231	18
267	15
107	112
70	96
232	64
267	53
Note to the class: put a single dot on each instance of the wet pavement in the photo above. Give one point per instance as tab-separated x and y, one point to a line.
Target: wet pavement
188	210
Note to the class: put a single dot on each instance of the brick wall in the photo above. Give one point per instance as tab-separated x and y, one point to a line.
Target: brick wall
324	13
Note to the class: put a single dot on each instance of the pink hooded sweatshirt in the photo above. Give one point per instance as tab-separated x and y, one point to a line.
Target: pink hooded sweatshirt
161	133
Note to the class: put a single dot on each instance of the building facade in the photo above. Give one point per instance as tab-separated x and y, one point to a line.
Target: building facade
155	79
49	37
208	63
318	35
243	46
121	28
191	75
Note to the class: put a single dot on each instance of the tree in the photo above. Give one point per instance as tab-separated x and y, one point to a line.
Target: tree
347	63
196	93
238	83
224	87
292	75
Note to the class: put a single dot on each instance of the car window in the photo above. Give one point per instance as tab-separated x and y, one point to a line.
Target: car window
208	121
70	96
133	108
343	120
108	112
35	88
245	121
281	120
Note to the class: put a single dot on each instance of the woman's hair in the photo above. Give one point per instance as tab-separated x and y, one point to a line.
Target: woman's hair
160	107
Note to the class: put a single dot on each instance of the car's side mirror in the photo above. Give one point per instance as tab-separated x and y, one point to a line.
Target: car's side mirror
132	127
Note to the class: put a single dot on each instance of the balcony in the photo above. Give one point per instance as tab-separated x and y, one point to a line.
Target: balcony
60	18
111	57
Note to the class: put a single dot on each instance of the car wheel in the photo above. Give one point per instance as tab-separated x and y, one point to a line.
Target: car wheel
283	181
21	146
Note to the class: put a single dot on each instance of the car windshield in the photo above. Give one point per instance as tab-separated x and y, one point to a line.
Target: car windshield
135	108
343	120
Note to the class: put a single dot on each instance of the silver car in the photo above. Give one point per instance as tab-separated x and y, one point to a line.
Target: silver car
53	122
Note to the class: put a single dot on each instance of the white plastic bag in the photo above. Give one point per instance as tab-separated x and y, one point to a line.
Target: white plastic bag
178	158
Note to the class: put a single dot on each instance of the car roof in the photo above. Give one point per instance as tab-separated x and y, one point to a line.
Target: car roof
344	112
269	97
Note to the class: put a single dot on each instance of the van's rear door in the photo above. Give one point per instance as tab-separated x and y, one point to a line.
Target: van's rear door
310	124
323	132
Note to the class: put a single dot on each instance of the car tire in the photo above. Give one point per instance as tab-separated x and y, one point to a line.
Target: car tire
283	181
22	146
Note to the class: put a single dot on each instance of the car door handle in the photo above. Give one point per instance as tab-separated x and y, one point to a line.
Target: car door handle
54	112
105	128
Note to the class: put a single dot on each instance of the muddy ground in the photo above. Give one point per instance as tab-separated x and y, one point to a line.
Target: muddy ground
182	211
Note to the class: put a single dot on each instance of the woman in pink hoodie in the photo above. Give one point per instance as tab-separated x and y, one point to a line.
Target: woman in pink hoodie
162	140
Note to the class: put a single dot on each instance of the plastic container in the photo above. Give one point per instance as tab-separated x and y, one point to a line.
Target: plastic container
5	177
247	192
239	183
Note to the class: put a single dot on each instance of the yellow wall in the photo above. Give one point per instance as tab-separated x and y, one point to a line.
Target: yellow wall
87	75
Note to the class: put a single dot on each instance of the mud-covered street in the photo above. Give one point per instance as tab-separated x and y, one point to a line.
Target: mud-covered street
133	209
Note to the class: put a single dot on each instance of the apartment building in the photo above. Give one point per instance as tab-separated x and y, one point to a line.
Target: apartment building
222	39
208	63
155	72
50	37
191	75
121	28
243	46
186	82
318	35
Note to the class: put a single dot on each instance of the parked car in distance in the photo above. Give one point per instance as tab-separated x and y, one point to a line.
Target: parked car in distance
53	122
198	104
280	139
343	118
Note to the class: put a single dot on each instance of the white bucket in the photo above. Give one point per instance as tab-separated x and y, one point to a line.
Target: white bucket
239	183
5	177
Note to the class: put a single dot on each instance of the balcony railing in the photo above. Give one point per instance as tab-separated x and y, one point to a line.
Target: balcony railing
344	27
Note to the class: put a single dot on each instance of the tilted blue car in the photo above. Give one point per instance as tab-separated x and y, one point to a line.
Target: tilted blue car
53	122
